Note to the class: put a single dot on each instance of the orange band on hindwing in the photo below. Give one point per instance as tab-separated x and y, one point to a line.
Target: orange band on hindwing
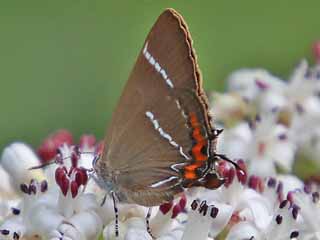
200	146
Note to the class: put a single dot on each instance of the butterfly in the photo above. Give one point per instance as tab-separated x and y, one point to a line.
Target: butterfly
161	139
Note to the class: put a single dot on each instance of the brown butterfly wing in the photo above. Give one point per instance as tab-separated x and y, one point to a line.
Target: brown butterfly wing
148	142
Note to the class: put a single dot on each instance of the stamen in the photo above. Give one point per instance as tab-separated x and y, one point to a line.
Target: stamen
16	236
214	212
24	188
315	197
279	219
295	211
271	182
203	208
15	211
294	234
33	189
283	204
256	183
307	188
290	197
194	204
242	174
261	85
283	137
5	232
44	186
176	210
165	208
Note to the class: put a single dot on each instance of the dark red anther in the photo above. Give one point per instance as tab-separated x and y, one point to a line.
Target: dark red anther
64	184
271	183
74	159
176	210
33	189
60	172
242	172
165	208
15	211
290	197
222	168
283	137
294	234
214	212
256	183
280	191
49	146
74	187
16	236
44	186
261	85
87	140
316	51
307	188
203	208
81	176
279	219
5	232
229	177
183	201
63	136
47	150
283	204
280	187
24	188
194	204
295	211
315	197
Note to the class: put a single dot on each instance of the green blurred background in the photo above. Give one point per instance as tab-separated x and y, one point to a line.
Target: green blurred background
63	63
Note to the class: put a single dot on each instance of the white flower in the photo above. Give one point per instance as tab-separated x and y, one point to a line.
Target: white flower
279	225
234	142
310	213
16	159
250	83
228	107
200	218
261	147
43	210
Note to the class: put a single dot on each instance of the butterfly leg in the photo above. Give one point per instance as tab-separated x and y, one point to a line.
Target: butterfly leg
225	158
116	212
148	222
104	199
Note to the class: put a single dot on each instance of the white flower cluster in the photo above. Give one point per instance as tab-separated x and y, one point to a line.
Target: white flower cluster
270	125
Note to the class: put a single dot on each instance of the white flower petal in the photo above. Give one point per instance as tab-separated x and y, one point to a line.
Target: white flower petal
137	233
174	234
262	167
6	187
86	202
16	159
290	183
233	142
42	220
88	223
70	233
243	231
222	219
